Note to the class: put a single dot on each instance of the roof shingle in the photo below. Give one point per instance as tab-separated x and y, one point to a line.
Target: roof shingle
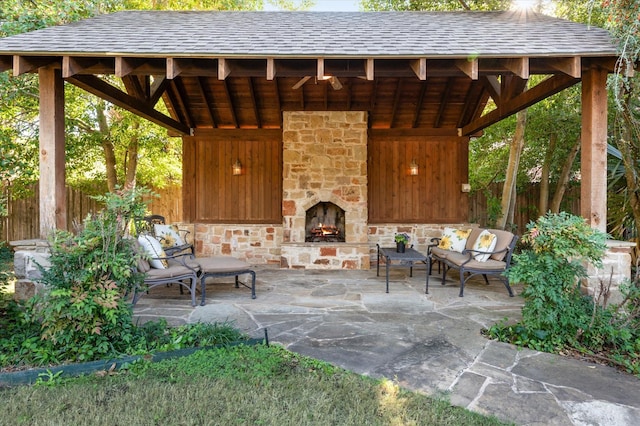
313	34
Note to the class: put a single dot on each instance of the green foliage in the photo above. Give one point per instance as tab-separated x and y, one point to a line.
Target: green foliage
556	315
85	315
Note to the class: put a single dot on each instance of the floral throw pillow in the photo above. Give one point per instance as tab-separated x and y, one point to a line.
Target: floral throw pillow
454	239
486	241
168	235
153	249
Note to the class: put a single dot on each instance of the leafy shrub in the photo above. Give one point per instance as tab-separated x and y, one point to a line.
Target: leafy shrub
556	315
85	315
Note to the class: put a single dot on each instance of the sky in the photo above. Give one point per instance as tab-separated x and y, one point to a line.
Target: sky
330	6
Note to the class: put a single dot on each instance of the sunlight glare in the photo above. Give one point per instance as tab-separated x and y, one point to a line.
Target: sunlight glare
523	5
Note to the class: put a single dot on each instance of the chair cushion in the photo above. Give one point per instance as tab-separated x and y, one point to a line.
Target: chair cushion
486	242
154	250
221	264
454	239
171	272
489	265
439	253
168	235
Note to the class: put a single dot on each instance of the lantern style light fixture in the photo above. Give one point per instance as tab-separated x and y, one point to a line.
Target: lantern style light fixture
413	168
236	168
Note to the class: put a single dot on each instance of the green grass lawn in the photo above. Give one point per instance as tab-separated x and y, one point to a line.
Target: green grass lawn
247	385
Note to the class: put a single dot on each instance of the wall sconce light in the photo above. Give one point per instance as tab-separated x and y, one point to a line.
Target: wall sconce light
236	168
413	168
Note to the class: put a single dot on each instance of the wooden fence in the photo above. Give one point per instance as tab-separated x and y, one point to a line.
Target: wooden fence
23	219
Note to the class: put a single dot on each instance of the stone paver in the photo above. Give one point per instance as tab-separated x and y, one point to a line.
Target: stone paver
427	343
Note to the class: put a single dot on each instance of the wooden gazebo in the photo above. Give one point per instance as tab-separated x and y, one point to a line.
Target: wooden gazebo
412	87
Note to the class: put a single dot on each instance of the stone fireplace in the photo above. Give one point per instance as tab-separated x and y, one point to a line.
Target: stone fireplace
325	164
325	223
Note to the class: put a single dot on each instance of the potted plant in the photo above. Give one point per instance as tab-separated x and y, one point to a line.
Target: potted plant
401	242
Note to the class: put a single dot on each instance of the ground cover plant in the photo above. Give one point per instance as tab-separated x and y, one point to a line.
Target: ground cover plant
86	313
557	316
223	386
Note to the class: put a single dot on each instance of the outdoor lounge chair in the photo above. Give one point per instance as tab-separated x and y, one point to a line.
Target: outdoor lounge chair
178	269
225	266
494	261
173	239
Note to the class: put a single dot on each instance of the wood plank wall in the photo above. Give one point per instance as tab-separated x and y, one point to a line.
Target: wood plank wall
434	195
214	195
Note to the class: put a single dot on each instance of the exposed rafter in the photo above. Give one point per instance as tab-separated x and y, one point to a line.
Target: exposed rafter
546	88
117	97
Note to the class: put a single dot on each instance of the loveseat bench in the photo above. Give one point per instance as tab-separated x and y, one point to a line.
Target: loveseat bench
472	251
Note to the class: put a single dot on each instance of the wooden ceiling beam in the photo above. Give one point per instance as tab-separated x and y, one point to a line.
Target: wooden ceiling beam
224	69
232	110
278	102
544	89
419	67
157	88
469	67
370	69
254	103
140	66
72	65
518	66
271	68
492	85
183	102
444	99
396	102
104	90
419	103
136	87
25	64
206	100
570	66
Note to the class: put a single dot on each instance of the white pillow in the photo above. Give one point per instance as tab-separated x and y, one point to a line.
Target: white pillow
486	241
168	235
153	249
454	239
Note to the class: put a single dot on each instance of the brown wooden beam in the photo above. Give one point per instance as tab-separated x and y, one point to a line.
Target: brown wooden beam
570	66
182	99
419	66
411	132
271	68
419	103
106	91
254	103
593	155
469	67
234	116
518	66
224	69
25	64
546	88
53	210
205	99
396	102
444	98
158	86
492	85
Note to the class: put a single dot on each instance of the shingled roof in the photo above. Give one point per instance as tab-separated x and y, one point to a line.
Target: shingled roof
313	34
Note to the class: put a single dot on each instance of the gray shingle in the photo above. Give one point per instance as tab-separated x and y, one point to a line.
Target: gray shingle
330	34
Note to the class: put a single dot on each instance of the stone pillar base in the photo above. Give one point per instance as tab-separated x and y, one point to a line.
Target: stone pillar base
616	269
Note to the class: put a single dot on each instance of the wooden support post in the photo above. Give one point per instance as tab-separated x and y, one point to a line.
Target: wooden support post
593	160
53	209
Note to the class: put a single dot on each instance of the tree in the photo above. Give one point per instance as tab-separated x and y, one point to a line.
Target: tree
624	24
106	147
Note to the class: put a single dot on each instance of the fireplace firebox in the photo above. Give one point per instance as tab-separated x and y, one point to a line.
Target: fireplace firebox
325	222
